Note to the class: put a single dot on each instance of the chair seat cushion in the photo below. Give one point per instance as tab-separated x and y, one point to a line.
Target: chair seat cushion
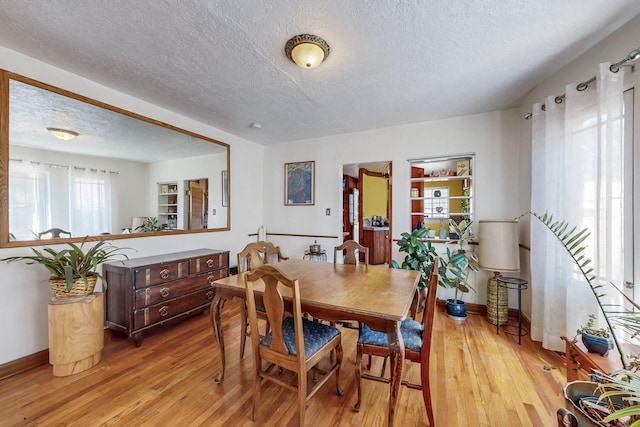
316	335
410	330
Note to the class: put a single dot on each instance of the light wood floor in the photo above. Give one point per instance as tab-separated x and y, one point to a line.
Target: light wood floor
478	379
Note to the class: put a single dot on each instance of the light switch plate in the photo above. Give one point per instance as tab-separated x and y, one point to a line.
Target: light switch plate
328	211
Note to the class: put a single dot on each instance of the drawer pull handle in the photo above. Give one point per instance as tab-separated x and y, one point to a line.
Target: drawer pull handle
164	310
164	292
210	295
210	263
211	279
164	274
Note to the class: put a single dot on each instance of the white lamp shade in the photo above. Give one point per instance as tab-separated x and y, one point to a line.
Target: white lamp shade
498	246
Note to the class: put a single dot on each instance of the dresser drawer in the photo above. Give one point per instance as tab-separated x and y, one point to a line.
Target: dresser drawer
209	262
167	291
171	308
162	273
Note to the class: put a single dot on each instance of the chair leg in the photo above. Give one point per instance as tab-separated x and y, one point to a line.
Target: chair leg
338	351
426	389
256	386
243	329
302	396
358	376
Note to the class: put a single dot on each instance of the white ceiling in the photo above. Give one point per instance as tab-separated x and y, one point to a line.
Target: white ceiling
391	62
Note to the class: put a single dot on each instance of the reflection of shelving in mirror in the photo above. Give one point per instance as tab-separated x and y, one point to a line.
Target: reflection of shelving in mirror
441	189
168	205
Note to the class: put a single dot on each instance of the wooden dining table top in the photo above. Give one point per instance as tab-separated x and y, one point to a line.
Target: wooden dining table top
348	291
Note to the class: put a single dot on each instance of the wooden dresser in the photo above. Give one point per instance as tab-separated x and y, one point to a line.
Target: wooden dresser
143	293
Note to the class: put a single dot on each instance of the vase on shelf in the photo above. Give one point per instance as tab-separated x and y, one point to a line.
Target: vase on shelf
442	234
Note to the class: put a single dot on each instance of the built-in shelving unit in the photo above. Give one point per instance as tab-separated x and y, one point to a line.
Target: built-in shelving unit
441	189
168	205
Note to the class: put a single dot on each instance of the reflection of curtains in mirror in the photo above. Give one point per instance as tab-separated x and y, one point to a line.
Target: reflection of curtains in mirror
29	200
89	202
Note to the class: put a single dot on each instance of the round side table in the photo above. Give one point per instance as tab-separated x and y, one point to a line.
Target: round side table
518	285
315	256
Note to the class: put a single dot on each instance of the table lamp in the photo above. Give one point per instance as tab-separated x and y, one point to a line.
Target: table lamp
498	252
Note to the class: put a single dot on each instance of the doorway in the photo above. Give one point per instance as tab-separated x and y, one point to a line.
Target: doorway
367	213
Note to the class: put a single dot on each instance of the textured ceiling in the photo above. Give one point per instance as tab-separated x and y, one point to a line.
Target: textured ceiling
391	62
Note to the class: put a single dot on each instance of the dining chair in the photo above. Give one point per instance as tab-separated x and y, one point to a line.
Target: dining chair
273	253
54	232
349	249
251	257
294	344
417	342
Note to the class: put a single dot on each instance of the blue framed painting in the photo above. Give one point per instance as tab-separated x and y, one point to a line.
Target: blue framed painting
299	183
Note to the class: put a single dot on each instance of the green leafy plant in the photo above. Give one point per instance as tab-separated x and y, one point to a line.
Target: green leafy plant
73	262
420	255
149	224
459	262
589	328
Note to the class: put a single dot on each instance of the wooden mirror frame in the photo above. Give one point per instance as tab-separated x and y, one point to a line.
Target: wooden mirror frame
5	77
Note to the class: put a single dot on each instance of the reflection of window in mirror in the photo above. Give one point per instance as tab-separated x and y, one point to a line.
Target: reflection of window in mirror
441	189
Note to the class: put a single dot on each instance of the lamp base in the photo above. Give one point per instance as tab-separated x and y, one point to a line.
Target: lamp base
497	303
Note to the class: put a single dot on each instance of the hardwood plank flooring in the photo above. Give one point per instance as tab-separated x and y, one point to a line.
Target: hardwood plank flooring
478	378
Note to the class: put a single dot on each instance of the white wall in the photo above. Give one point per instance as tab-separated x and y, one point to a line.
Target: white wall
24	288
492	136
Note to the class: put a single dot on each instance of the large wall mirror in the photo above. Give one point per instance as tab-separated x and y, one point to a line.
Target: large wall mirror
72	168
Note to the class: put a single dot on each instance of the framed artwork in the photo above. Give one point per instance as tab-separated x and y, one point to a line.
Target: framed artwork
225	188
299	183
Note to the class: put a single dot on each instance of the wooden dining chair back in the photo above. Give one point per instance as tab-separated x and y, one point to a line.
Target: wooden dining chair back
251	257
54	233
351	250
294	343
273	253
417	342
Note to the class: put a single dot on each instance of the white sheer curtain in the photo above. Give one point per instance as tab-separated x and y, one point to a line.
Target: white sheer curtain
89	201
577	167
29	200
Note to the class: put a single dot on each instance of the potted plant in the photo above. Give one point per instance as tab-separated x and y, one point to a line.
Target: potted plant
149	224
74	272
596	340
459	263
622	384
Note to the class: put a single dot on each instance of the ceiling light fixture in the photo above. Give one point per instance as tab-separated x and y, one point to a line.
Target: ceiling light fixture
63	134
307	50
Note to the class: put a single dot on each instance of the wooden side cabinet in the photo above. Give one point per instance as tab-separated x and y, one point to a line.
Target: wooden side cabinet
376	239
144	293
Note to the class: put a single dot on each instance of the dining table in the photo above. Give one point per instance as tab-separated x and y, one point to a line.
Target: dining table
377	296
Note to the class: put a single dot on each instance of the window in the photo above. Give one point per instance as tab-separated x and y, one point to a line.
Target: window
436	202
90	202
29	201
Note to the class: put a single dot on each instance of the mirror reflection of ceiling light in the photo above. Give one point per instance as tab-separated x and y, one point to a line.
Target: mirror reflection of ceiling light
307	50
63	134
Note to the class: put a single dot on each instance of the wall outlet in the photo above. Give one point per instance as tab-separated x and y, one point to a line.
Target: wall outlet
328	211
213	212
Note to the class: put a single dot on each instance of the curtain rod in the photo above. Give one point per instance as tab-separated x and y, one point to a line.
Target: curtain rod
55	166
634	55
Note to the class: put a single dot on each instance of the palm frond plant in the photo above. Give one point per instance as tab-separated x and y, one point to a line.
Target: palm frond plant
74	263
618	319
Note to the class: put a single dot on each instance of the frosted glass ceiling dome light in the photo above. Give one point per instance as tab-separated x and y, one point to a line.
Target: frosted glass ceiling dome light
63	134
307	50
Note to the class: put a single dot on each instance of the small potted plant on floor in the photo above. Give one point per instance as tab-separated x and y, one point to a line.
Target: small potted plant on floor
74	272
459	263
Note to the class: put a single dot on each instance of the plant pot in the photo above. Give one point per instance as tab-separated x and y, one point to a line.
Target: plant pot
576	390
596	344
456	309
59	287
